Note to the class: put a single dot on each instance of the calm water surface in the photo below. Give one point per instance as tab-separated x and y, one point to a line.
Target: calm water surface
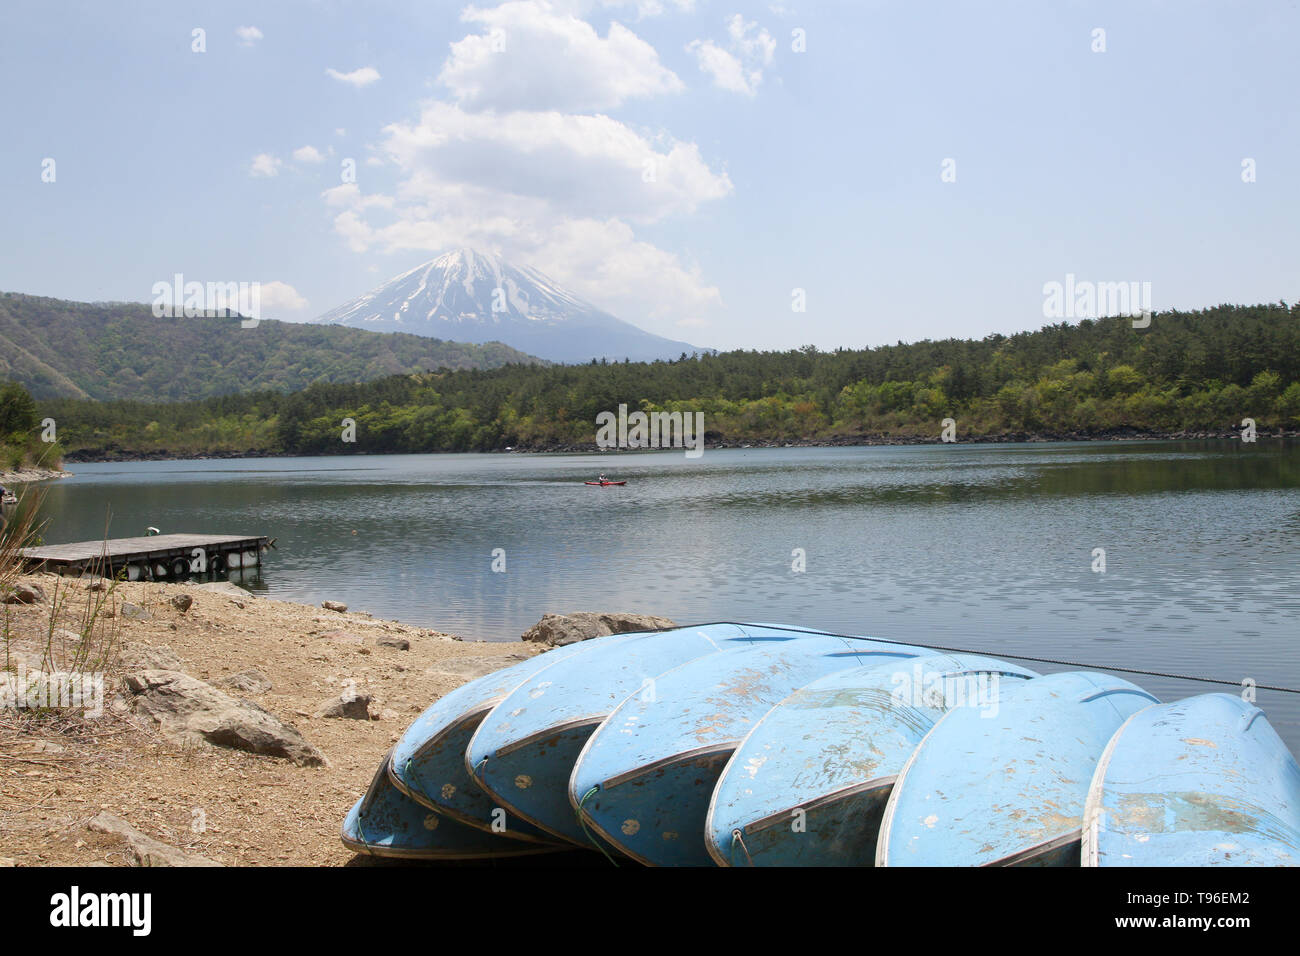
986	547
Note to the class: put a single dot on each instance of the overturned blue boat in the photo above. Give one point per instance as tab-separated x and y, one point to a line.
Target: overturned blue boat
808	785
524	750
1006	789
755	744
1199	782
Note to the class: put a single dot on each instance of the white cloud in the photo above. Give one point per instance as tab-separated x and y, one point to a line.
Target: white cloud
349	195
354	231
532	56
606	263
264	164
281	297
576	165
738	68
643	8
754	43
248	35
308	154
358	78
721	65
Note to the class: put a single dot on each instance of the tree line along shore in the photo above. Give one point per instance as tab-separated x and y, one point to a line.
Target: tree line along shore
1208	373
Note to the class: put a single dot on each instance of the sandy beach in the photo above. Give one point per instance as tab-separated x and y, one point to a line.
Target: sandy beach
59	769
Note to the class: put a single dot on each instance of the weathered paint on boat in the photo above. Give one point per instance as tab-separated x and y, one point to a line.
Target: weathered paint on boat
524	750
385	822
808	785
644	779
1204	781
1007	789
428	762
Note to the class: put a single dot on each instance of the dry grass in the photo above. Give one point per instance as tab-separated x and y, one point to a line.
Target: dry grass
73	637
74	641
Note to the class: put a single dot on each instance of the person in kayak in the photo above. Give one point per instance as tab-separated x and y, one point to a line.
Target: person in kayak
602	479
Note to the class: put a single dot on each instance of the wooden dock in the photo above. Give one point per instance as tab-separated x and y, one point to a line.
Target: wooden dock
155	557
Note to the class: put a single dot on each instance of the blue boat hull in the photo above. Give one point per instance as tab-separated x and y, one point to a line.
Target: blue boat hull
808	785
1007	789
644	780
428	762
387	823
524	750
1200	782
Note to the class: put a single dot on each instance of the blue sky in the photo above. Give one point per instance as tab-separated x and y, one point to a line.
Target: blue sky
530	128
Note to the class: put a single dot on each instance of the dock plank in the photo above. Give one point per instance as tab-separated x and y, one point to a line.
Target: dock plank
121	551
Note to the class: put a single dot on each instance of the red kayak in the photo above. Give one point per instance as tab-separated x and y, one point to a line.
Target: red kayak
604	483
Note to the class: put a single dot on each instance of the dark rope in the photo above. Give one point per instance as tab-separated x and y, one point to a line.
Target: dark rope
737	838
1021	657
587	833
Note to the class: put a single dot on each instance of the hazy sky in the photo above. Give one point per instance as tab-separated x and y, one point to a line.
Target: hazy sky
678	162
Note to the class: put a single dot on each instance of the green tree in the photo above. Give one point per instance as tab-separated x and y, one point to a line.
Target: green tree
17	412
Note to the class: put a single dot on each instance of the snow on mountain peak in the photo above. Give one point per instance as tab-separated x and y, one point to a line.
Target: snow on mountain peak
469	295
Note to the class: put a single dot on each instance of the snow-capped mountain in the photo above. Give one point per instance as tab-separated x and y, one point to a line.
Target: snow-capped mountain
469	296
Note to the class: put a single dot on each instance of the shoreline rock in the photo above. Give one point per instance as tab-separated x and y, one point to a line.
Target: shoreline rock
25	476
145	850
557	630
189	711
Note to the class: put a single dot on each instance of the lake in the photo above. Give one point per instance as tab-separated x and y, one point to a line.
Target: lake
980	547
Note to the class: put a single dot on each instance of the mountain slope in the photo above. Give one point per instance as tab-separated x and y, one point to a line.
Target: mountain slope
473	296
120	350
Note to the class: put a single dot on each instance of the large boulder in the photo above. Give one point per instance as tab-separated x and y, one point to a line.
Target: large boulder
349	705
560	629
144	849
25	594
190	711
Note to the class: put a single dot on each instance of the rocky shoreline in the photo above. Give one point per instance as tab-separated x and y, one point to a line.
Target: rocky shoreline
832	441
26	475
233	729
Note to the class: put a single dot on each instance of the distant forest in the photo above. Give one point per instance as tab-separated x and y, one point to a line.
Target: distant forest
1204	370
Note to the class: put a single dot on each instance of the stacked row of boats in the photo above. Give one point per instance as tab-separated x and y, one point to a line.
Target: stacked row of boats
757	745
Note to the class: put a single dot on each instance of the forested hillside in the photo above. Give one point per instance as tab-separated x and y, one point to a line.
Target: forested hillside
1199	370
106	351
